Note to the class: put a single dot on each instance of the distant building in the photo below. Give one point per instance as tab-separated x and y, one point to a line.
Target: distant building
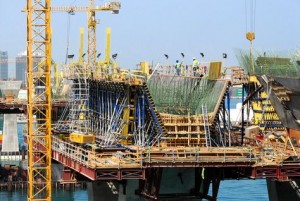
21	68
3	65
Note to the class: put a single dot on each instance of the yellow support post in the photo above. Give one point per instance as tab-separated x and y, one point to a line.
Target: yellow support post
56	76
81	43
107	48
39	100
145	67
129	116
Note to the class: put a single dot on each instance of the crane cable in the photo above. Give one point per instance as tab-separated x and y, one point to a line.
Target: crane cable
252	15
250	35
68	30
68	36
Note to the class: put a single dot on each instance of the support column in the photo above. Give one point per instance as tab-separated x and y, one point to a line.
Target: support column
168	183
157	181
198	182
213	176
103	191
10	134
283	190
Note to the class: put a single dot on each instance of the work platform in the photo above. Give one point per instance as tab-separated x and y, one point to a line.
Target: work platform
132	163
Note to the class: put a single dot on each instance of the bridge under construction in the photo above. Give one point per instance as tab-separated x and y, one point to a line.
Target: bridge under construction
151	132
147	125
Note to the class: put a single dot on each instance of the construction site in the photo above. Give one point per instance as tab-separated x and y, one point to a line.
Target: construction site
150	133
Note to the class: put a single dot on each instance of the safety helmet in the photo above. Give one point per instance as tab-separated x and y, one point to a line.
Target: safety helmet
194	58
177	61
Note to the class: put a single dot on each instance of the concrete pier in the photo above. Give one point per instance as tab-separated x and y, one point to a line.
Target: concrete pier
283	190
103	191
172	182
10	134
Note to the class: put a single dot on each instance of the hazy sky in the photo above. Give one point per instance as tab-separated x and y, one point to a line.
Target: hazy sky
145	30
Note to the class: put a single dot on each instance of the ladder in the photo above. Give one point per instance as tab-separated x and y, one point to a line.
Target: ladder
206	126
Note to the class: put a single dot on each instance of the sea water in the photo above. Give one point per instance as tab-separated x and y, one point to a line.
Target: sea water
57	195
230	190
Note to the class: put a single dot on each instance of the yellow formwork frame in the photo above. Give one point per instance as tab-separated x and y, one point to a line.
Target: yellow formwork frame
39	100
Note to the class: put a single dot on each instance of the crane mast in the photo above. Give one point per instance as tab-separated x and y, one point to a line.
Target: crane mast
92	35
39	88
39	99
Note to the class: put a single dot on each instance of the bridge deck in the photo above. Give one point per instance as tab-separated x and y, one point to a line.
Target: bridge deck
132	162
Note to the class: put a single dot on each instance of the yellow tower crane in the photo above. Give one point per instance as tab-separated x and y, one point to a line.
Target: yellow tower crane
79	129
39	99
39	88
92	22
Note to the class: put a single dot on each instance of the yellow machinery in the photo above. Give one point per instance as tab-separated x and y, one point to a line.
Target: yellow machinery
82	139
39	100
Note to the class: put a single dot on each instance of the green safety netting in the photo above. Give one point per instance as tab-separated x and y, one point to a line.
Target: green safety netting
268	63
182	95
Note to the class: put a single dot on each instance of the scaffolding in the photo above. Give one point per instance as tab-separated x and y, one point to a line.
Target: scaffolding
79	111
123	113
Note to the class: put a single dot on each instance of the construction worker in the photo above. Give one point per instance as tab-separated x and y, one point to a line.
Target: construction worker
195	66
178	67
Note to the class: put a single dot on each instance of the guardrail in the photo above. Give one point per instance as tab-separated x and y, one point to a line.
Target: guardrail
138	157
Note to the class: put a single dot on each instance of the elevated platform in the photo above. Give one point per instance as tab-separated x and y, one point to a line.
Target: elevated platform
132	162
